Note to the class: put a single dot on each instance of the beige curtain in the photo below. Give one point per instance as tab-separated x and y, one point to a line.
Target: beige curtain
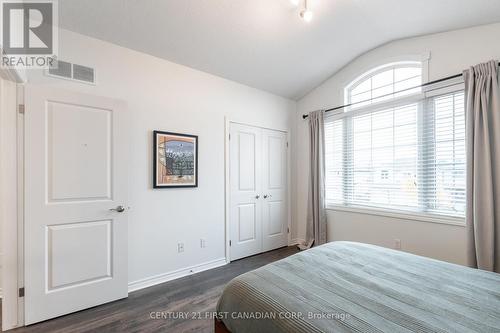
316	217
482	103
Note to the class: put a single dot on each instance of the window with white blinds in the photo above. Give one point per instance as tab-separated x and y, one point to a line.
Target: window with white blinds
406	156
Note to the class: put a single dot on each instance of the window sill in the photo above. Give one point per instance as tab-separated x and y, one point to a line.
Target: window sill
456	221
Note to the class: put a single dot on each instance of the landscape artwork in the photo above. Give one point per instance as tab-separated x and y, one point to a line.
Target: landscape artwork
175	160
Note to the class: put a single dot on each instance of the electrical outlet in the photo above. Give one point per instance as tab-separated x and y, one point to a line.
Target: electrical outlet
203	243
180	247
397	244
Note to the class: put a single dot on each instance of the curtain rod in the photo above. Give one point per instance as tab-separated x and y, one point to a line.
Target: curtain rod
304	116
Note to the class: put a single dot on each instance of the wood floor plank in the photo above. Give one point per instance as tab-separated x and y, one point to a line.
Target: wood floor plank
195	293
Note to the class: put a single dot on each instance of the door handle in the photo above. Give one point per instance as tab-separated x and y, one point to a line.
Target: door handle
118	209
257	196
267	196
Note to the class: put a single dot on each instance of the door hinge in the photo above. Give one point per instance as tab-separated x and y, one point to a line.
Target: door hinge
287	144
21	292
288	230
20	108
229	136
230	243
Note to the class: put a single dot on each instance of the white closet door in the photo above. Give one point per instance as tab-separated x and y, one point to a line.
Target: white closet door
246	189
76	157
274	189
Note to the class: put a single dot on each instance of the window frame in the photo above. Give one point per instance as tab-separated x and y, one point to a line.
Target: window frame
377	70
399	214
447	87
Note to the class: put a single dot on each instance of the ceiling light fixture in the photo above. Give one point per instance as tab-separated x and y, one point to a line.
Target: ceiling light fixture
305	13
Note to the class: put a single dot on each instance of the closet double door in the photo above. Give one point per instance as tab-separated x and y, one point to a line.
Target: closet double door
258	190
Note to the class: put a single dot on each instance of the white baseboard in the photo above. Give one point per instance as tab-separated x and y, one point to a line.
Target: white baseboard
161	278
296	241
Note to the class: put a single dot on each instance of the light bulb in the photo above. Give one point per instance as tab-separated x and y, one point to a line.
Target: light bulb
295	2
306	15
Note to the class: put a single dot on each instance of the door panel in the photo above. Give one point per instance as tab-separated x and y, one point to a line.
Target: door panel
75	171
274	156
247	223
247	160
67	269
245	209
274	190
275	209
77	156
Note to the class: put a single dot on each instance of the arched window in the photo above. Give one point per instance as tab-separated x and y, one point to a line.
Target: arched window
384	83
397	147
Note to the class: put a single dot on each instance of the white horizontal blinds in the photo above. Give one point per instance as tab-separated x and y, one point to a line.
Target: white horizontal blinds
375	163
409	156
334	161
446	179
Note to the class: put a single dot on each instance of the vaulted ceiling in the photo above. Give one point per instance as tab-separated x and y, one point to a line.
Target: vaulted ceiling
263	43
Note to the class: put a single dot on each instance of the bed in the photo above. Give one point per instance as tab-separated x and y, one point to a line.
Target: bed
354	287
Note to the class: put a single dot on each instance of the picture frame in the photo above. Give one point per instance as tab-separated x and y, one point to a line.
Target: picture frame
175	160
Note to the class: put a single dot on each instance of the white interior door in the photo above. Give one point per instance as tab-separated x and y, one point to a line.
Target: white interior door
75	172
258	215
274	190
245	187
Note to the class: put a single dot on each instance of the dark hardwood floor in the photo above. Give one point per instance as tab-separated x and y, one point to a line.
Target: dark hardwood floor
195	293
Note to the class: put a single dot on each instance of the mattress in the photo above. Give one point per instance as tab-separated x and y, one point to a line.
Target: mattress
354	287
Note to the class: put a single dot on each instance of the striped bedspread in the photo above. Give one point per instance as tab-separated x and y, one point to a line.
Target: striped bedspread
353	287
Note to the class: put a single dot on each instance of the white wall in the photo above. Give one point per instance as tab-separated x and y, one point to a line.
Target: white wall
165	96
450	52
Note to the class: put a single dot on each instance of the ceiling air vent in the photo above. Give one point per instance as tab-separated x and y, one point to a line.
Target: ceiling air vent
74	72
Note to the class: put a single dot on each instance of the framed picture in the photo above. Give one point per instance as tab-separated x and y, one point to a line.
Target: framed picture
175	160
